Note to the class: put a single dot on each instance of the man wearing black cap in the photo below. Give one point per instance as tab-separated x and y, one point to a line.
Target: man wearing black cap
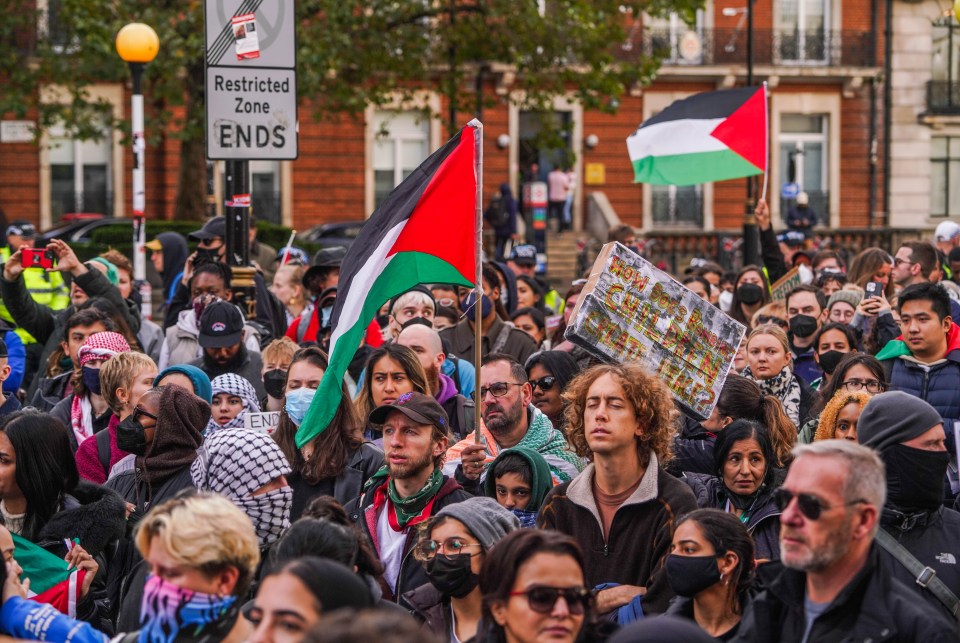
221	338
909	435
211	247
10	403
411	490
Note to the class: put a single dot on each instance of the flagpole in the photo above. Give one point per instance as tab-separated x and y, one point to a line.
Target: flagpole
478	286
766	139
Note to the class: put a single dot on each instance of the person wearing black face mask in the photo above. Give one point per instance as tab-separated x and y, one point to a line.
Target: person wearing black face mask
452	550
276	362
909	435
830	344
805	306
710	567
750	295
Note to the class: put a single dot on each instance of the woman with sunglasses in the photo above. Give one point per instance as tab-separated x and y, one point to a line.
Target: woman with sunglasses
533	588
711	569
453	547
773	313
743	483
769	365
549	372
855	372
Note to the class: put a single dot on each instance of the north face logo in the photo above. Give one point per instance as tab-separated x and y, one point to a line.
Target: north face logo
947	559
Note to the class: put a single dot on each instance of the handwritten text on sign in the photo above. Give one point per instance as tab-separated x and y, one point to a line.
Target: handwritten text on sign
631	311
266	421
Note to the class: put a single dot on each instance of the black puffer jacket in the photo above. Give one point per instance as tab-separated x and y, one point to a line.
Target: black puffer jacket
873	607
764	519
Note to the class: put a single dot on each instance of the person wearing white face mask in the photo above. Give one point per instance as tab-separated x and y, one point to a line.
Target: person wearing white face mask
337	462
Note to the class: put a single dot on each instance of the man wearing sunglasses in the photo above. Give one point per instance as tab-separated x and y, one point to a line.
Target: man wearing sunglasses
908	433
830	584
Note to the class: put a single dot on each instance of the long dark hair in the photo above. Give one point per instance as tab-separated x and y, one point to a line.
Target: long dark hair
848	361
45	467
333	447
736	312
560	364
744	430
408	361
537	289
741	398
727	534
504	561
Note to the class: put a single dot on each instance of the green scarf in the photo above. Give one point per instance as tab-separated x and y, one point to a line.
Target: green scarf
409	508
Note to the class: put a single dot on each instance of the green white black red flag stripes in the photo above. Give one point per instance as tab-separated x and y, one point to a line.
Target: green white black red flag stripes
707	137
424	232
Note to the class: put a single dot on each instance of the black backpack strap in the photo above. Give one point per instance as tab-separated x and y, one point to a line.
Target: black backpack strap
925	576
456	371
103	450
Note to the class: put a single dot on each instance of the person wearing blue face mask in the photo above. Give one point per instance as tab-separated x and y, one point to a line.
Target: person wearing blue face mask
498	336
337	462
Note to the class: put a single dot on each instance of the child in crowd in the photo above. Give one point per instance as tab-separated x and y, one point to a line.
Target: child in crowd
519	480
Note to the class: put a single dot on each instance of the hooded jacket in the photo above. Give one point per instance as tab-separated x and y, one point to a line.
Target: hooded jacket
640	535
541	479
412	573
181	344
175	253
461	340
872	607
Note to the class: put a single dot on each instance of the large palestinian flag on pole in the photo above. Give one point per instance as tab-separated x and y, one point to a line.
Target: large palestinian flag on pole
707	137
426	231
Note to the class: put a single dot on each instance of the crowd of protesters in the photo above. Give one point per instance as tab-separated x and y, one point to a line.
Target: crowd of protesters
156	462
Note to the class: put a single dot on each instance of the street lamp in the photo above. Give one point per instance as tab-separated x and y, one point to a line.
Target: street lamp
137	45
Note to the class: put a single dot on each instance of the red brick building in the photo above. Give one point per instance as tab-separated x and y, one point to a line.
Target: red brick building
821	61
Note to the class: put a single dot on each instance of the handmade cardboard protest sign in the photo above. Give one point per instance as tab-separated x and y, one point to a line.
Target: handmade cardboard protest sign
265	422
786	283
631	311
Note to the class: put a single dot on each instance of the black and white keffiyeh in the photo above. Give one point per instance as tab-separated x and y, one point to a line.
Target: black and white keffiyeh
233	384
235	464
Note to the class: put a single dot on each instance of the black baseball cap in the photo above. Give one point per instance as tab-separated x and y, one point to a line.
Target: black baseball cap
215	227
524	255
22	229
220	325
422	409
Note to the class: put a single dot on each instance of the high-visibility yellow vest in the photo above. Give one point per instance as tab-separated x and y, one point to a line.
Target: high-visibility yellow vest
46	288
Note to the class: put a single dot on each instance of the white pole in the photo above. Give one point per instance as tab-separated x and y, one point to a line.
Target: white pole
478	333
139	195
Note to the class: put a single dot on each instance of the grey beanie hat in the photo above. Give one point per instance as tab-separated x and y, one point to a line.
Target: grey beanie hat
894	417
484	517
851	297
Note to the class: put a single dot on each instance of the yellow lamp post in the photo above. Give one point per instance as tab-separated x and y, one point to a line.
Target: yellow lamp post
137	45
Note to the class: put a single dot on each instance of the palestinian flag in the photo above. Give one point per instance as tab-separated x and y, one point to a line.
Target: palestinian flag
424	232
50	580
707	137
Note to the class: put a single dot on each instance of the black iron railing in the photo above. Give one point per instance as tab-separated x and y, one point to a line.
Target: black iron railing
943	96
815	48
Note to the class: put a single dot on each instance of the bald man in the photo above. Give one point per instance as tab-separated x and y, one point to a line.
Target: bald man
425	342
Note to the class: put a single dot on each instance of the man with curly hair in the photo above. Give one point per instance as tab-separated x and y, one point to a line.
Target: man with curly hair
623	507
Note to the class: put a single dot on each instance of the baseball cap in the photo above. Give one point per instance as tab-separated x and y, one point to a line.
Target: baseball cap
215	227
154	244
22	229
524	255
946	231
791	238
422	409
220	325
297	256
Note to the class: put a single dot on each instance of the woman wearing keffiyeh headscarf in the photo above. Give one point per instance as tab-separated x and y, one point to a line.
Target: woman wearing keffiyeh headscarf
250	469
233	398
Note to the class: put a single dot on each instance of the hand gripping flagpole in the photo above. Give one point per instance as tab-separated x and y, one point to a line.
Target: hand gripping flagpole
478	256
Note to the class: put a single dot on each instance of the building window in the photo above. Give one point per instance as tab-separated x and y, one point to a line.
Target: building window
80	174
675	205
944	176
803	160
401	143
676	41
943	89
802	27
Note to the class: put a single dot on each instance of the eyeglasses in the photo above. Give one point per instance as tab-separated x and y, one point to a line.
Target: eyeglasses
897	261
769	319
498	389
542	599
428	549
809	505
544	383
137	412
854	385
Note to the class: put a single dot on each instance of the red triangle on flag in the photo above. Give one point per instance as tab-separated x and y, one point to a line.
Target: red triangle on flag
745	130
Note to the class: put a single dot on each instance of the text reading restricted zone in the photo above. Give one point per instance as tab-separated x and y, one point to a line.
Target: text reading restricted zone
252	113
